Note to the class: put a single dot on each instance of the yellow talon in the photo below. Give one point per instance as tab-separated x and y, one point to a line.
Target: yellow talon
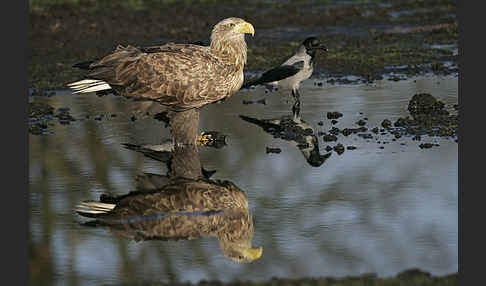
203	139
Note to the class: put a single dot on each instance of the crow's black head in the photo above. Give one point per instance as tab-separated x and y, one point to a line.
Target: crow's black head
312	44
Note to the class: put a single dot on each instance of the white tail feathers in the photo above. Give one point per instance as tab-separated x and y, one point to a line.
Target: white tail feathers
88	85
93	208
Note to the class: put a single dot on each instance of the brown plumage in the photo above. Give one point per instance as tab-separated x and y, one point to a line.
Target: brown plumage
181	76
181	209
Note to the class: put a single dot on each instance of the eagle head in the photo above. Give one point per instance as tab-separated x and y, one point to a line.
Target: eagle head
228	41
232	27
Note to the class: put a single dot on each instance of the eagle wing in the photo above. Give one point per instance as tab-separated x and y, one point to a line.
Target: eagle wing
179	75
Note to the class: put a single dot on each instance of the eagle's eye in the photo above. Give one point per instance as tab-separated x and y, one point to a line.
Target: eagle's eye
232	24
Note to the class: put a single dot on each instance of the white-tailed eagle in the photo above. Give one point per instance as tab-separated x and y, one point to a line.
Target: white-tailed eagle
180	76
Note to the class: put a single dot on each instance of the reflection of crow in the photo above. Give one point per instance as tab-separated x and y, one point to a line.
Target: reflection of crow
181	209
292	128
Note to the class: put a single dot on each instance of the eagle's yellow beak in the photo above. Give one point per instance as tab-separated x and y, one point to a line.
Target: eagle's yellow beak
253	253
245	28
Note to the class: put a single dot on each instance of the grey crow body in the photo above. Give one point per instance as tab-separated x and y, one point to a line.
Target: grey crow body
293	71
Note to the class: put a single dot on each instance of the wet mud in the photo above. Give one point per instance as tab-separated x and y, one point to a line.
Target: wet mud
407	277
428	117
42	116
364	39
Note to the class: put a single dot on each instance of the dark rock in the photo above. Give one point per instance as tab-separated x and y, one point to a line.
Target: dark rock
334	131
347	131
386	123
424	103
40	109
366	136
273	150
334	115
329	137
426	145
339	148
64	116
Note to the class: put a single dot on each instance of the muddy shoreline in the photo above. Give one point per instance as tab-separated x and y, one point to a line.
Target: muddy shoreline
407	277
366	40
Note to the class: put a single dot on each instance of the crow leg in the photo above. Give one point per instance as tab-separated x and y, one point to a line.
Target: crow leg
296	110
296	106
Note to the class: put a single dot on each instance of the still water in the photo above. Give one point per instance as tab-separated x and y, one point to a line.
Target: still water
366	210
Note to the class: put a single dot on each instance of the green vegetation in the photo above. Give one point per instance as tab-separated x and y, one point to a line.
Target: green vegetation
364	38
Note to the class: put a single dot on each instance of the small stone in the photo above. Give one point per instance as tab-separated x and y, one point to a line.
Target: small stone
334	131
386	123
366	136
273	150
334	115
426	145
329	137
339	148
346	131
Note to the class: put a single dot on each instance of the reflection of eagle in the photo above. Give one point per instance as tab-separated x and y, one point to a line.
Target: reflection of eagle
181	76
184	204
294	129
182	209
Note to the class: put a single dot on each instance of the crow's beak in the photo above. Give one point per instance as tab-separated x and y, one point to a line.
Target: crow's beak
322	47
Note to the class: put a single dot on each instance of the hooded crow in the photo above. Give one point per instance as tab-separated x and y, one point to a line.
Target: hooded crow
293	71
